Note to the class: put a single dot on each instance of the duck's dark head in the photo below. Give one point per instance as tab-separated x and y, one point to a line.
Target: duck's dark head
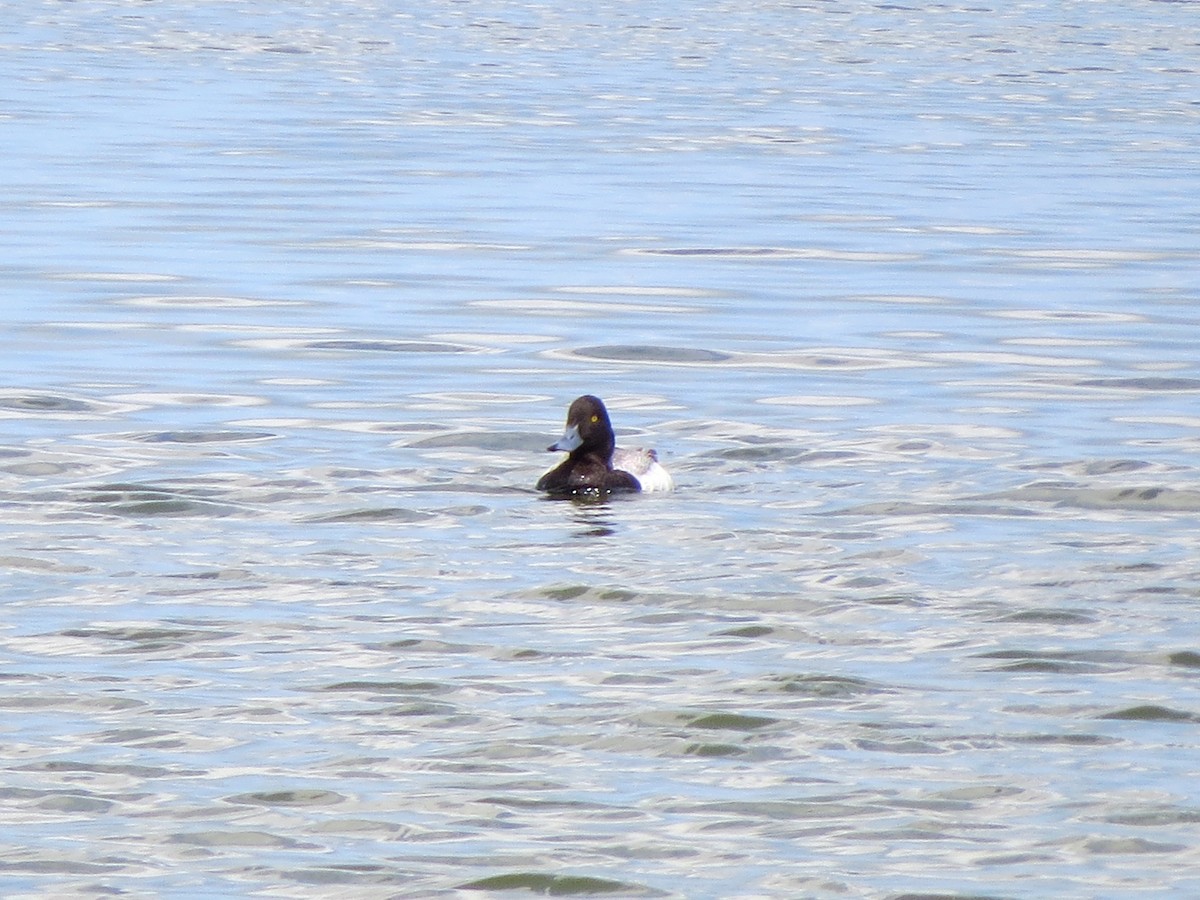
588	429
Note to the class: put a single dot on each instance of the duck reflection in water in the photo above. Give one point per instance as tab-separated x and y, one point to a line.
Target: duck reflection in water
594	519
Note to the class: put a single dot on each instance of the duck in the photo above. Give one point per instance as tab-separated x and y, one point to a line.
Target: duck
595	466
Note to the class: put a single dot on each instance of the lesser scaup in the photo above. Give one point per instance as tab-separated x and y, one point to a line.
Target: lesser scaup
595	466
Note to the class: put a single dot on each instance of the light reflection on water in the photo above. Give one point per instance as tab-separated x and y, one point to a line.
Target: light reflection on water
904	299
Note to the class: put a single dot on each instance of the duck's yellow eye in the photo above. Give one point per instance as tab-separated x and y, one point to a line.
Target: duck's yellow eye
595	419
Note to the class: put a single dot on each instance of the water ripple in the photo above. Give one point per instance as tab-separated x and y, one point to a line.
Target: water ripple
776	253
62	406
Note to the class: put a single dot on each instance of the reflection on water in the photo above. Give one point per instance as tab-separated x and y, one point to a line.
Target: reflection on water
904	298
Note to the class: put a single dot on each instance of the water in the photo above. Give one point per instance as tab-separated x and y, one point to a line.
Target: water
296	296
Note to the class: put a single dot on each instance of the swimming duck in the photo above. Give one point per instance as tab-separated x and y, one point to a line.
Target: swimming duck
595	466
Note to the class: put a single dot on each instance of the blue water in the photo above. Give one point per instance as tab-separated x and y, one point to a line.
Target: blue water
296	296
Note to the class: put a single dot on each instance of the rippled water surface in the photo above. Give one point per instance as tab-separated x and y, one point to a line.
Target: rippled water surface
296	295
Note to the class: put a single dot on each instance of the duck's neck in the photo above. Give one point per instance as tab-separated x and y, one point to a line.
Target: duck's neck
593	455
